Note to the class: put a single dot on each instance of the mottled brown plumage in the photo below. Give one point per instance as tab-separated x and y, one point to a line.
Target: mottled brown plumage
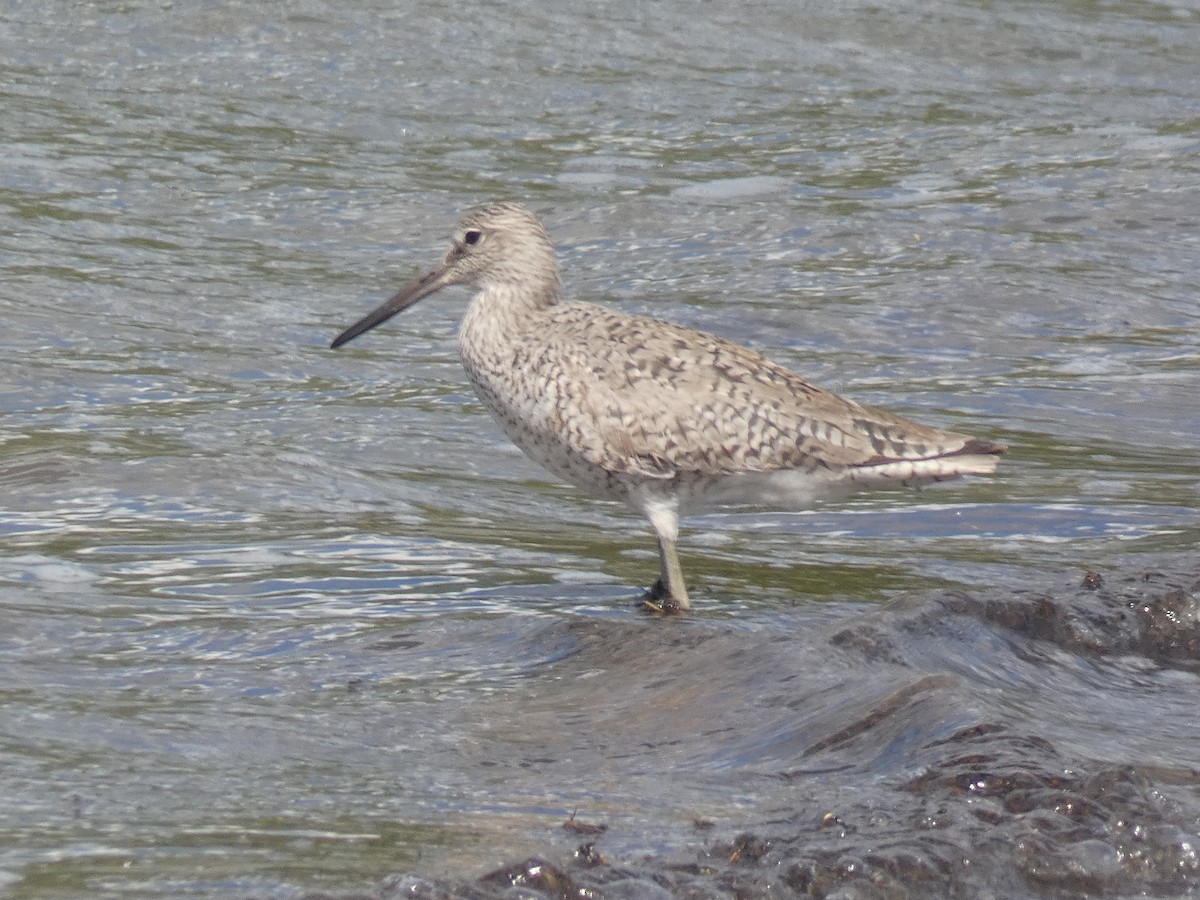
663	417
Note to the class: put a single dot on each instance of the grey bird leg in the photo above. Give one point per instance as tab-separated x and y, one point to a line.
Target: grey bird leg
669	594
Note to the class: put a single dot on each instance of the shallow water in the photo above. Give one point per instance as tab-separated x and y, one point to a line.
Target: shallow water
279	619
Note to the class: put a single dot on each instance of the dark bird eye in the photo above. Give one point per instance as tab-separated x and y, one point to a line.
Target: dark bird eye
472	237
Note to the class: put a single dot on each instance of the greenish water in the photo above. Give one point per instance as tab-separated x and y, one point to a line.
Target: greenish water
275	619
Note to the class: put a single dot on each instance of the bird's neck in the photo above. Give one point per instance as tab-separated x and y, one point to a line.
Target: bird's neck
502	301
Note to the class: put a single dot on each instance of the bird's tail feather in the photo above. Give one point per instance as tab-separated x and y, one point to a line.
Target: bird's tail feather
972	457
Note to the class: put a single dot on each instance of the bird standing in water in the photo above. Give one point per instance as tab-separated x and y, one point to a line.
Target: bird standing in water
665	418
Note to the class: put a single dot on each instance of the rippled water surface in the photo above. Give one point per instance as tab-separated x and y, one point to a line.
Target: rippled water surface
277	620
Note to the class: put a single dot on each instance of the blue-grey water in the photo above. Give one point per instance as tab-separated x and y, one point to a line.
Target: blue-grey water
277	621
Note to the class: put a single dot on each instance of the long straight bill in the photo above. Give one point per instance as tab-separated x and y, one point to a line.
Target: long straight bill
422	287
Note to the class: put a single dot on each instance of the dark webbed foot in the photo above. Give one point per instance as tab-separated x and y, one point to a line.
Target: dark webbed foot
658	600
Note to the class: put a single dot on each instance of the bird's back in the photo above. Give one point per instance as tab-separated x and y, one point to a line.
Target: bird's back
589	390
